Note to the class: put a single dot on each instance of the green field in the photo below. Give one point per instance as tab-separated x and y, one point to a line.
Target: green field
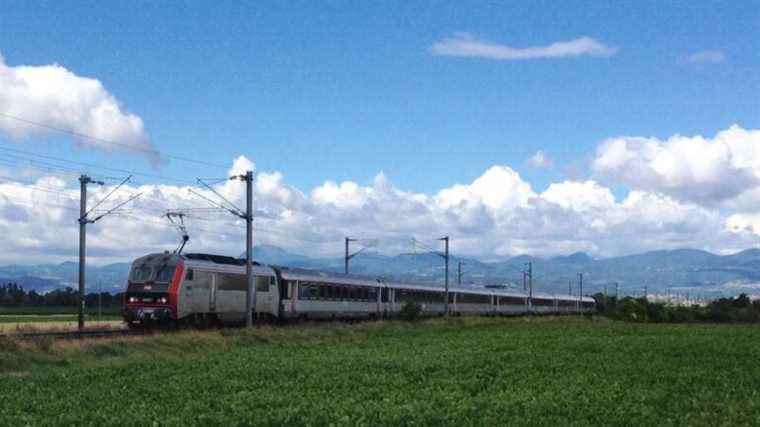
459	371
37	314
45	310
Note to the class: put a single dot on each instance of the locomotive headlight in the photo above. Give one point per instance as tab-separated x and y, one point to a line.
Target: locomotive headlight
132	299
162	300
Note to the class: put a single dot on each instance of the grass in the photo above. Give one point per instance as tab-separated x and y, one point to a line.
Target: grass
57	325
24	316
56	318
48	310
473	371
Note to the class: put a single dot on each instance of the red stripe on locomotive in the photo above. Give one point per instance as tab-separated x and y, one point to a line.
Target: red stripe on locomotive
179	273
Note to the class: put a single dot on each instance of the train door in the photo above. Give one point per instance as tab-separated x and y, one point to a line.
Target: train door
264	294
197	288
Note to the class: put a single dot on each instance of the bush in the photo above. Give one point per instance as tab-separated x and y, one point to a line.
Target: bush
410	311
741	309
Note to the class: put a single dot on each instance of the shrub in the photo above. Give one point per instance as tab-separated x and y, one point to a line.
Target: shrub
410	311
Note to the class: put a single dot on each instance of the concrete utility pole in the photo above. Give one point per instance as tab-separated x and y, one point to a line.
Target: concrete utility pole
459	273
446	258
646	293
616	290
348	257
569	287
250	300
530	284
83	221
525	281
580	291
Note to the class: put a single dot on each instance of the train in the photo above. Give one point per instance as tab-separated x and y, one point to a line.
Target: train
206	289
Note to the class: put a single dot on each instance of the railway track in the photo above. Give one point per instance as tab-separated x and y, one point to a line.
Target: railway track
74	335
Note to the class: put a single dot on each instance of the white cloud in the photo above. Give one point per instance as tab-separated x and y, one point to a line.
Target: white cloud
466	45
705	57
579	196
56	97
497	214
698	169
540	160
498	188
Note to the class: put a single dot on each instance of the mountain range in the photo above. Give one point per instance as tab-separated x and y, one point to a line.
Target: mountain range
677	271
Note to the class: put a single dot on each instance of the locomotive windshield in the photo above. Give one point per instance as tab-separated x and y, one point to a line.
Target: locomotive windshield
156	270
140	273
164	273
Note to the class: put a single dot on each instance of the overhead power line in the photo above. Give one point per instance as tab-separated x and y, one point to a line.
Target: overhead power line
30	156
114	143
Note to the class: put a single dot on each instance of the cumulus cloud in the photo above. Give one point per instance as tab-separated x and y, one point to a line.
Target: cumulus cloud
497	214
540	160
579	196
499	188
467	45
697	169
56	97
705	57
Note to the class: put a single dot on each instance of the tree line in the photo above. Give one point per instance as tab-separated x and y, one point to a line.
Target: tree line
739	309
12	294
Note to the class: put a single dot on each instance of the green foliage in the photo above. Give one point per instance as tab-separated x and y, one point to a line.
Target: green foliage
464	371
725	310
410	311
13	296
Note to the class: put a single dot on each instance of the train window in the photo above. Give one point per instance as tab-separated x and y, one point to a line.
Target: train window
373	294
303	290
322	292
512	301
262	284
384	295
189	274
232	282
141	273
164	273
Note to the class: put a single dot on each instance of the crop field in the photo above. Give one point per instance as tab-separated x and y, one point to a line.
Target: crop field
16	325
466	371
52	318
56	310
59	317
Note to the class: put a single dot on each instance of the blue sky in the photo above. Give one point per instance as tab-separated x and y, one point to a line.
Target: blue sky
342	90
322	96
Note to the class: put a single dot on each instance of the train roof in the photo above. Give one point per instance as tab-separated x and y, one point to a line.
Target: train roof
304	274
217	259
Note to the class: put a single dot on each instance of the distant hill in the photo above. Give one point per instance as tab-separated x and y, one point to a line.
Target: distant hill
680	270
